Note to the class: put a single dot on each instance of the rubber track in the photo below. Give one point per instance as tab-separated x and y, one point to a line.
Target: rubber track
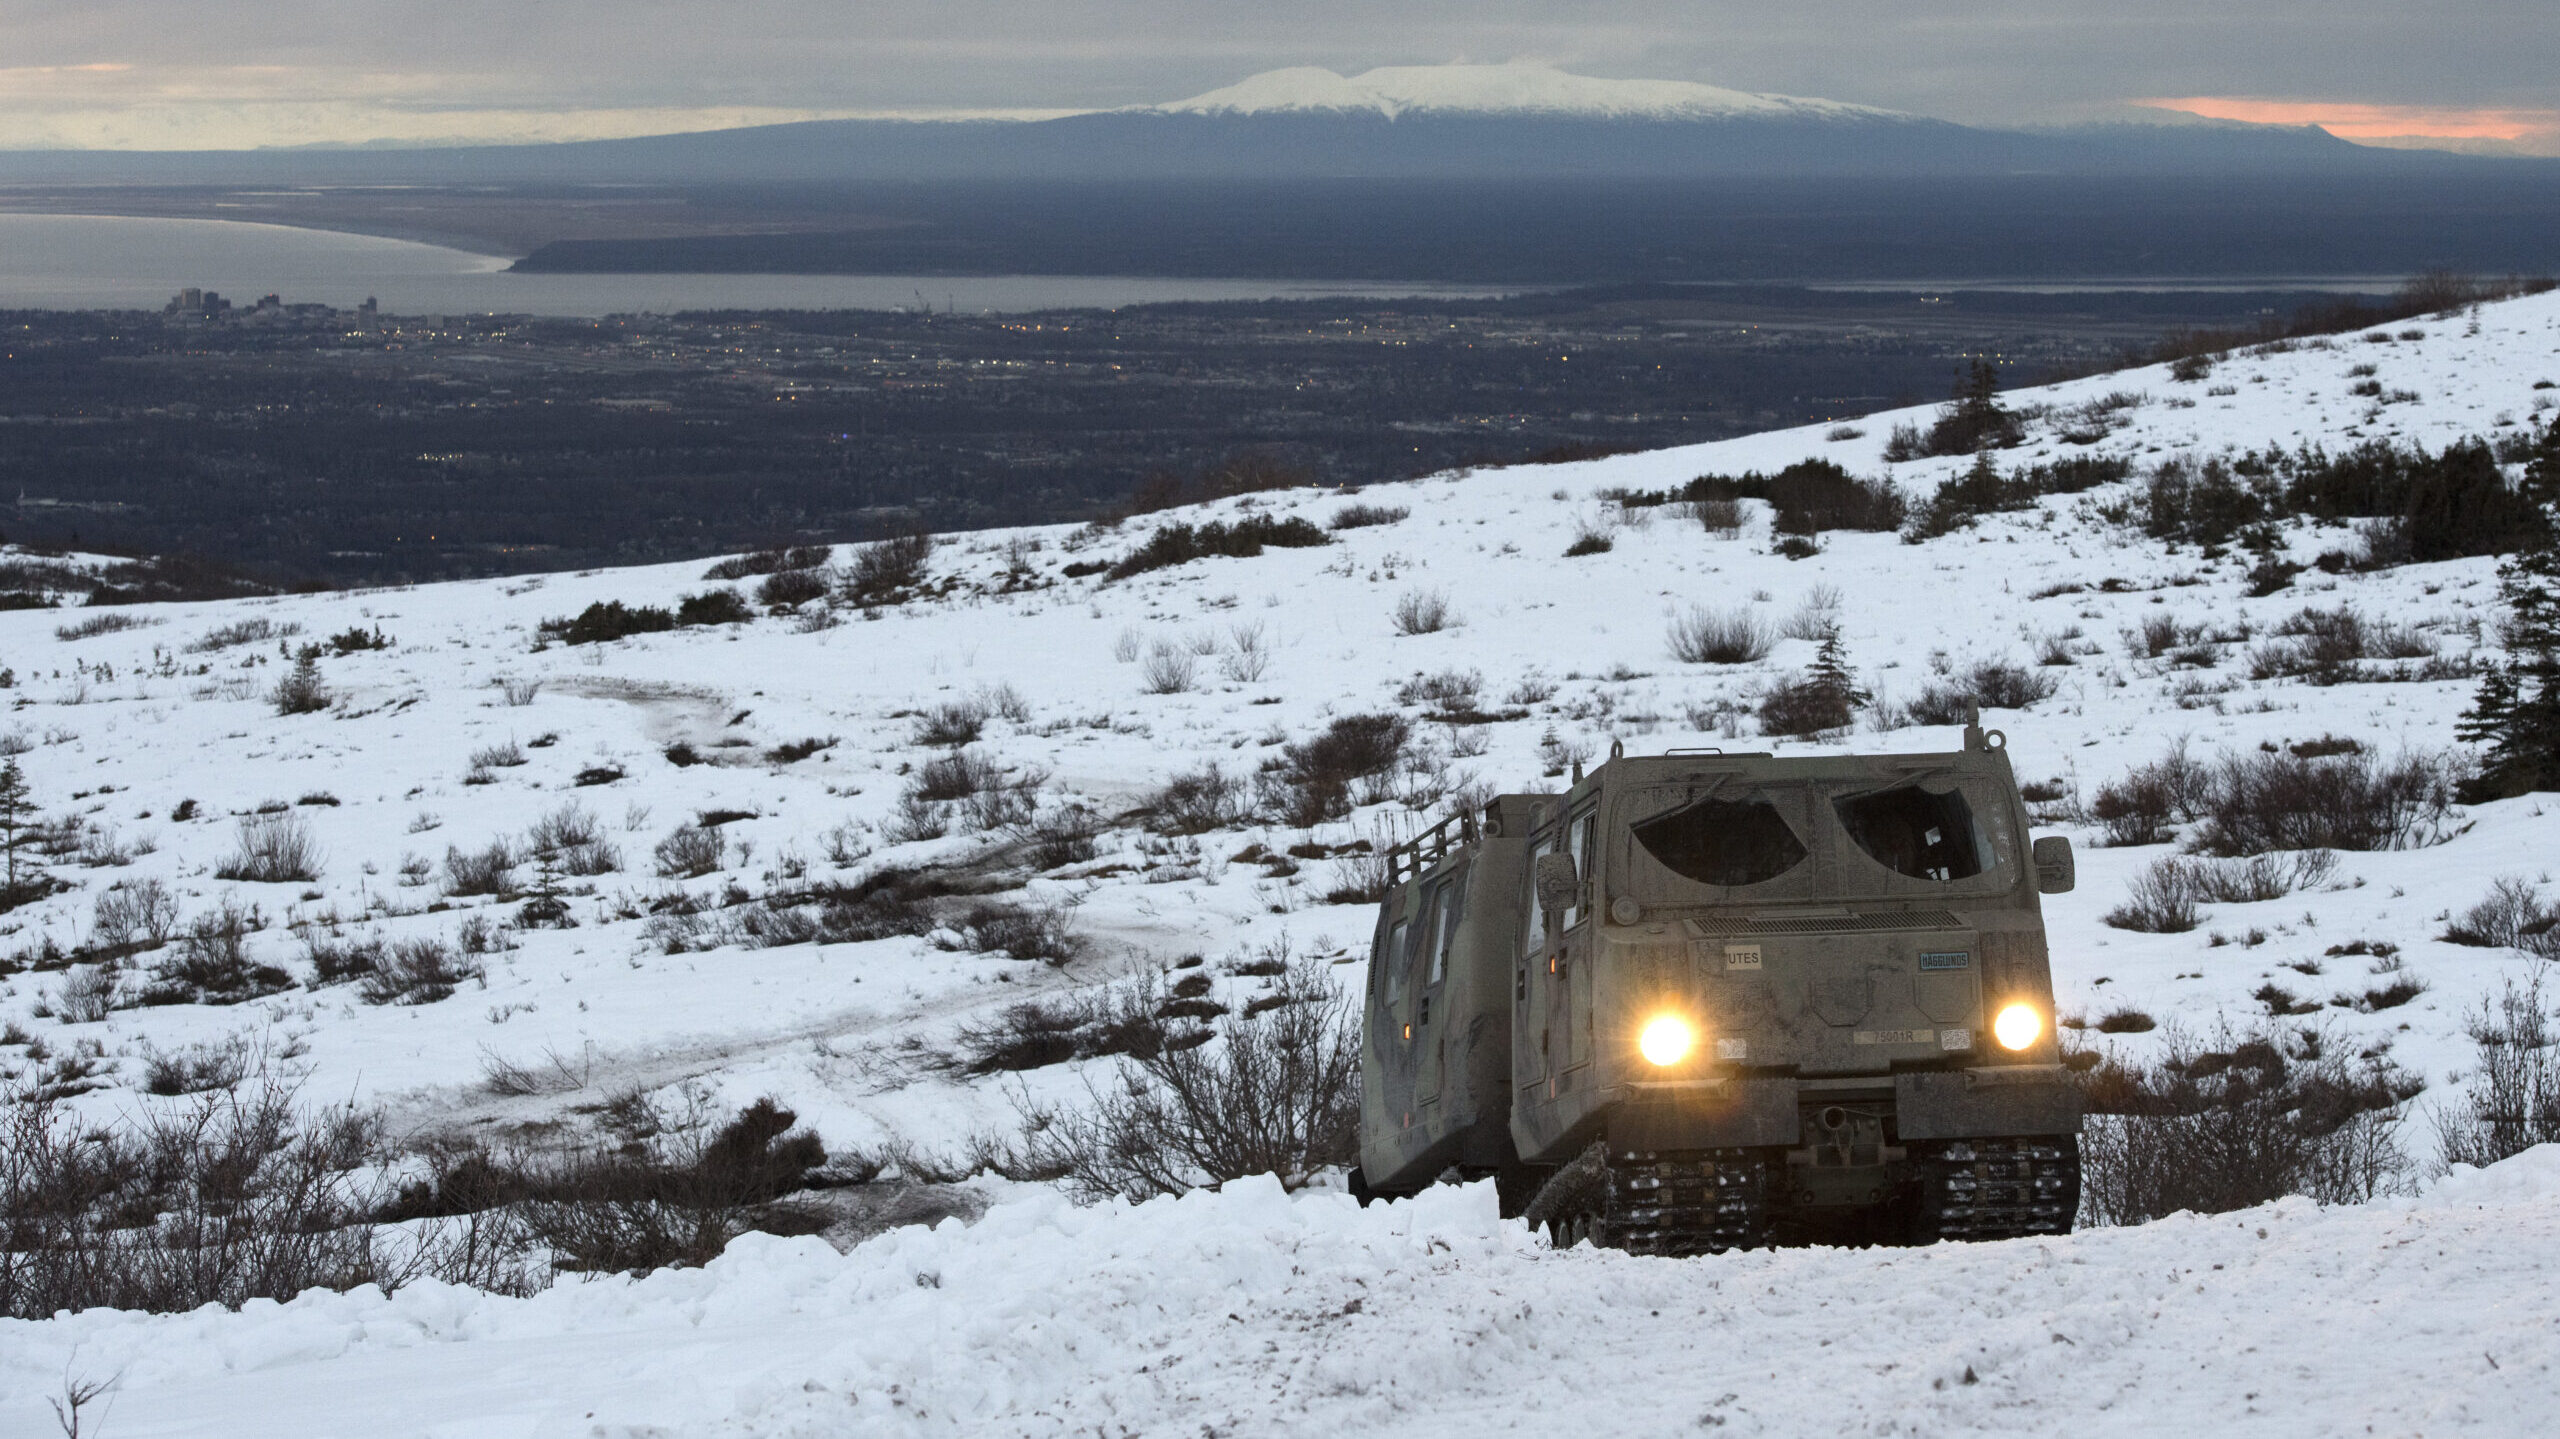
2002	1188
1679	1204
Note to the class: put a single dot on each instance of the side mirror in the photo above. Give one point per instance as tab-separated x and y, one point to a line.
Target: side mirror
2055	871
1559	887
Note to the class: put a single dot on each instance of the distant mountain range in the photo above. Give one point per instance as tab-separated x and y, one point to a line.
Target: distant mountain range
1507	122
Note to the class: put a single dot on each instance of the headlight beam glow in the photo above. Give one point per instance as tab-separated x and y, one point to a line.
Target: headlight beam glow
2018	1026
1666	1040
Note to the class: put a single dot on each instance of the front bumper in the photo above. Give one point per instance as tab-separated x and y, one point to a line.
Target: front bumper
1738	1113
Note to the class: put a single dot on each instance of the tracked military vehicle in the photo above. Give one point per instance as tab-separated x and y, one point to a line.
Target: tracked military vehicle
1708	1001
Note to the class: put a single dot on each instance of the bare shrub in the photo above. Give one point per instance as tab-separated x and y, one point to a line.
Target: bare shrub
1817	618
2284	801
198	1068
846	845
787	589
416	971
1008	801
274	849
140	913
576	839
1360	877
2261	877
1277	1092
1451	692
779	559
914	820
2512	916
210	963
1248	656
1168	670
2327	646
955	776
953	724
1038	1033
1998	684
1804	706
1422	612
1038	932
1201	800
2261	1115
518	693
112	622
1311	781
336	960
232	1194
242	632
885	568
691	851
1721	518
1003	699
665	1193
1703	637
2139	808
1068	835
2159	634
1362	516
1990	684
489	870
2161	900
498	756
2512	1102
87	994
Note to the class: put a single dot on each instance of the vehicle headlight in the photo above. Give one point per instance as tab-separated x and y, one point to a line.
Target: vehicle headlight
2018	1026
1667	1039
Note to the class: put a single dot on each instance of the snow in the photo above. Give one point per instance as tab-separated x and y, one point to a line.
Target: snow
1515	87
2411	1315
1252	1311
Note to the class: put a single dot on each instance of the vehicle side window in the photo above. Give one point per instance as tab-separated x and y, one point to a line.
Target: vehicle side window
1583	830
1444	933
1391	958
1534	933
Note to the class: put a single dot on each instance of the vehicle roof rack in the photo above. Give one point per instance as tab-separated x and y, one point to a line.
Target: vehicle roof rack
1430	847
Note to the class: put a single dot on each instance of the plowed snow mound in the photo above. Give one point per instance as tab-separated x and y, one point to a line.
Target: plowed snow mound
1257	1312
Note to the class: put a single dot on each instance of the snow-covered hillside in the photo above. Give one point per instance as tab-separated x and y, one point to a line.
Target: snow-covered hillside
802	746
1518	87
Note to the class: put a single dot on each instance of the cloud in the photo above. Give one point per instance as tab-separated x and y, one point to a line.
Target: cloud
2524	132
365	69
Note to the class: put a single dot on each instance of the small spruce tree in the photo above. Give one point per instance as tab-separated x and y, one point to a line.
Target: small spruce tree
22	875
2516	715
1825	697
1973	419
301	692
546	905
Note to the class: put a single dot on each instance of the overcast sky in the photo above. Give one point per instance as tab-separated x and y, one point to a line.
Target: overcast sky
223	72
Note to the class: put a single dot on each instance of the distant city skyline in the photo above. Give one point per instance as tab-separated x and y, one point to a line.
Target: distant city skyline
209	74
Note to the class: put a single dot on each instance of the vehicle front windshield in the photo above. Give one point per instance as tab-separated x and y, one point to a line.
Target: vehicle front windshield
1918	830
1783	841
1729	842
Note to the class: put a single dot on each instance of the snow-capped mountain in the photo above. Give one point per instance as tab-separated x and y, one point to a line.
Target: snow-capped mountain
1517	88
718	769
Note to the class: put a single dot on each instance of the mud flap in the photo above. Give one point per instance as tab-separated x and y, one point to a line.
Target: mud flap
1978	1103
1737	1114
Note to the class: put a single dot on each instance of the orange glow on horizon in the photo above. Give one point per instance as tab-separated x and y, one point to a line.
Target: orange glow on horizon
2370	122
